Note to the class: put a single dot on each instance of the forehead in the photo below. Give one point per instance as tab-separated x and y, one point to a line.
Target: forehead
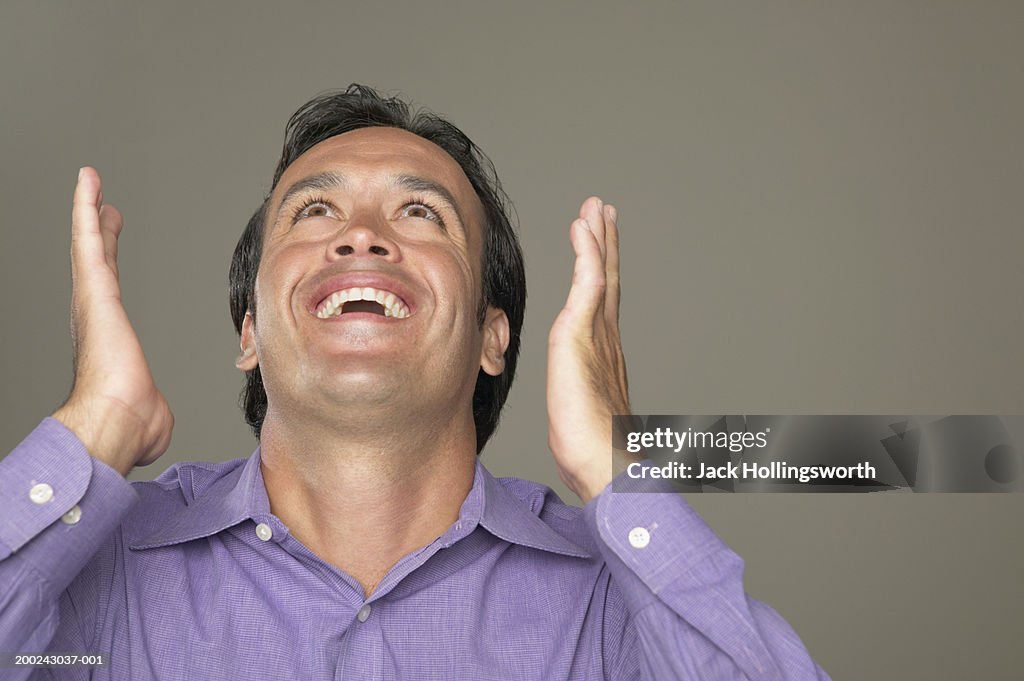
376	153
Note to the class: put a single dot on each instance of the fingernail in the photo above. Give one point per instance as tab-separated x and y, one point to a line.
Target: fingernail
80	173
586	225
614	213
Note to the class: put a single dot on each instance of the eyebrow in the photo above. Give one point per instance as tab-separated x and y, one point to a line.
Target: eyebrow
328	180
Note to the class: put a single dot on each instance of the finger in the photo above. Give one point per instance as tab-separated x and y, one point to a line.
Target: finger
592	211
86	241
111	222
611	264
586	294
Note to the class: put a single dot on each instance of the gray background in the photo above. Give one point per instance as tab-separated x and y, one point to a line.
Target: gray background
820	211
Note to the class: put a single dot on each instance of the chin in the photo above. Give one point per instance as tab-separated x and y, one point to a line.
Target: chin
366	388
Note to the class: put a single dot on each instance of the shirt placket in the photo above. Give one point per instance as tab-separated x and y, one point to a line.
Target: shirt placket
362	646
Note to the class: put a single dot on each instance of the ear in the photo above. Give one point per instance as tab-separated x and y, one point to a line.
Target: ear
496	334
247	359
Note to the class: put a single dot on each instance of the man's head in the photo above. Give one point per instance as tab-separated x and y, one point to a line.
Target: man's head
360	130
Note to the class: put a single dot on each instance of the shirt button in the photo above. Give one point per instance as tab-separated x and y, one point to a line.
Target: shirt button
40	493
264	532
639	537
364	613
72	516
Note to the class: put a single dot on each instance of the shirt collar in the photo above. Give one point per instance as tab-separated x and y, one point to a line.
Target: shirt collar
236	493
514	520
239	494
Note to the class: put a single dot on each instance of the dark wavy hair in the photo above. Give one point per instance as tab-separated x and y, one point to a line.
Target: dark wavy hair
504	275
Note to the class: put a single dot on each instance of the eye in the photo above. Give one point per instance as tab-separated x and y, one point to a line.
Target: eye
418	208
313	207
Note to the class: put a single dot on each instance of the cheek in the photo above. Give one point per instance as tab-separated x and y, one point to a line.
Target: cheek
280	267
274	281
456	280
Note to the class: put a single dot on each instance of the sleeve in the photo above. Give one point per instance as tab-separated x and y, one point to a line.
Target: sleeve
59	506
683	590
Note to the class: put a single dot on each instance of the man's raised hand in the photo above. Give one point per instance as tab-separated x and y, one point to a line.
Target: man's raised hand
586	368
114	408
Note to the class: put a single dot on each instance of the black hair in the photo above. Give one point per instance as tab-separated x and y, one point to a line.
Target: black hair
504	274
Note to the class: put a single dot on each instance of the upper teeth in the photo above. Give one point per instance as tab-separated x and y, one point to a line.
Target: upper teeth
393	306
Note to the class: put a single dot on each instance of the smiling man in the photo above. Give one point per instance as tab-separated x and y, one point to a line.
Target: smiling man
370	346
379	294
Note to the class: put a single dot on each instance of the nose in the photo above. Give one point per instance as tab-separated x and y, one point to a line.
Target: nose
364	238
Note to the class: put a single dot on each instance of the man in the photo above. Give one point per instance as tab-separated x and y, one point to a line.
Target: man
379	295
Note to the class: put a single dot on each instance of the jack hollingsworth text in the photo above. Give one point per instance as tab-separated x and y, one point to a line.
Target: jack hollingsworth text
776	470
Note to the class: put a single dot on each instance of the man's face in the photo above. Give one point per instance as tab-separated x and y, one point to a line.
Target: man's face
369	283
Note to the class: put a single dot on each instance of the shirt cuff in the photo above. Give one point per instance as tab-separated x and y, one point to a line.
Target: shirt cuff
60	503
649	536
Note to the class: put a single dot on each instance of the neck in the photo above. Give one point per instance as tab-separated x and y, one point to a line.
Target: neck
361	497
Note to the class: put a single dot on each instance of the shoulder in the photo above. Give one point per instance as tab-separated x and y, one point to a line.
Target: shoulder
181	495
565	519
184	482
540	499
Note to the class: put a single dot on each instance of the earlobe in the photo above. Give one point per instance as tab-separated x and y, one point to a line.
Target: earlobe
247	359
496	336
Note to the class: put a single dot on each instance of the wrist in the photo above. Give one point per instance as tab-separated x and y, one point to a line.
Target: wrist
101	435
587	484
592	481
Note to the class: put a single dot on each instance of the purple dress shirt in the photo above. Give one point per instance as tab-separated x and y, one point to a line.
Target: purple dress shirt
191	576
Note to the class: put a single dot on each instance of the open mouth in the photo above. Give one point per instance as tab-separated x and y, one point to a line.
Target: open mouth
362	299
364	306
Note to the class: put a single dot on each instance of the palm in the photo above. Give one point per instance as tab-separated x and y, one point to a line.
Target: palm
586	369
115	406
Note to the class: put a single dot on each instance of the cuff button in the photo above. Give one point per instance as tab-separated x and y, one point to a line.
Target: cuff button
73	516
41	493
639	537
